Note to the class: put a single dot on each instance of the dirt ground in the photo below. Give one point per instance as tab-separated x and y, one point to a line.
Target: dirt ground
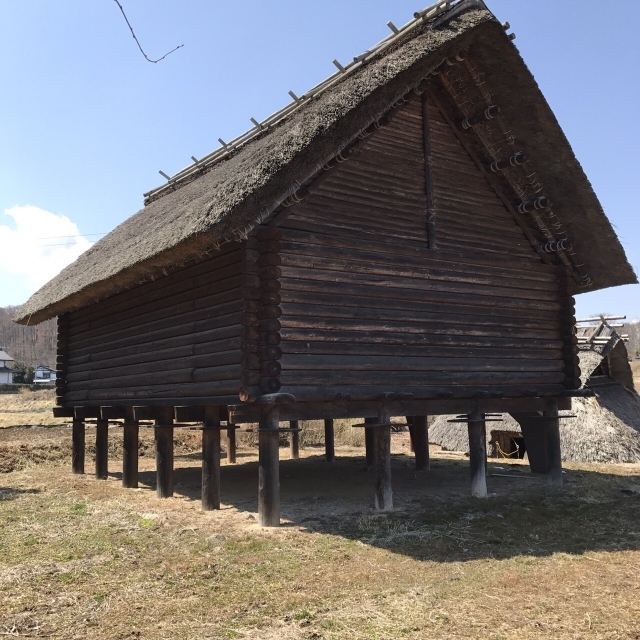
81	558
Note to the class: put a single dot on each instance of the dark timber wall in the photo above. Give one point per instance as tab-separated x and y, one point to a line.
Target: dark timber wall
367	305
175	339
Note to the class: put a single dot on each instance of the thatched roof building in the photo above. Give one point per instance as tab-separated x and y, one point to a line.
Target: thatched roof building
404	239
606	427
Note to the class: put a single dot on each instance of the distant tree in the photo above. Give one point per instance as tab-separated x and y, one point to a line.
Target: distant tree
24	373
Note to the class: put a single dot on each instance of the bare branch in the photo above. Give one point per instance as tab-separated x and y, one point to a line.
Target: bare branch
136	39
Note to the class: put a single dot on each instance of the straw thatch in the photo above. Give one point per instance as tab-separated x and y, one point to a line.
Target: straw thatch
234	195
606	427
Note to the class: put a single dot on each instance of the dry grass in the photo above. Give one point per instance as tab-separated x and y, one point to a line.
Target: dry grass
28	408
80	558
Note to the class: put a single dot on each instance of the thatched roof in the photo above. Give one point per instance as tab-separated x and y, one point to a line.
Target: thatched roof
224	201
606	427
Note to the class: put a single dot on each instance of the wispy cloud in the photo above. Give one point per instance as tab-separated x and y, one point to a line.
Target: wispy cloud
35	246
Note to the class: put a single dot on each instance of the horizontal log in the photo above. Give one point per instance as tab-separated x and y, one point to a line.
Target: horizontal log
270	385
270	368
450	311
230	323
268	233
270	353
420	264
366	363
404	338
374	324
208	341
269	246
268	260
132	327
323	233
132	366
479	378
249	378
366	308
376	392
269	311
269	338
368	286
160	393
177	376
364	349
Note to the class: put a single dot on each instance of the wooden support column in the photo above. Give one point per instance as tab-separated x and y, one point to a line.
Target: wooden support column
478	454
420	438
294	442
329	441
269	468
211	459
231	444
130	451
410	423
77	445
164	452
554	454
369	442
102	449
382	448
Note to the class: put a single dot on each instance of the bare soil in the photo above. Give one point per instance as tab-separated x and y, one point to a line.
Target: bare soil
81	558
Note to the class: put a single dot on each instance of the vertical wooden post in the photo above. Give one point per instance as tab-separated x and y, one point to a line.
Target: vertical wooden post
554	454
211	459
410	423
77	446
102	449
269	468
369	442
130	451
164	452
231	444
478	454
421	442
382	449
294	442
329	441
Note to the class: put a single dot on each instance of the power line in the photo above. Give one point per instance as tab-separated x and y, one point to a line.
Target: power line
136	39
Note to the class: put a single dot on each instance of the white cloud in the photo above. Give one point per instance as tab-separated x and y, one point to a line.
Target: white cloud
39	247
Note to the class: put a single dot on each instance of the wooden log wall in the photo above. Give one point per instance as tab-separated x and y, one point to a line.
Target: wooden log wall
368	307
174	340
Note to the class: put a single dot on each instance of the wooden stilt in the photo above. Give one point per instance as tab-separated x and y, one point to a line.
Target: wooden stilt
421	442
410	423
164	453
102	449
294	442
269	469
329	442
231	445
478	455
382	449
211	459
77	446
130	452
554	454
369	442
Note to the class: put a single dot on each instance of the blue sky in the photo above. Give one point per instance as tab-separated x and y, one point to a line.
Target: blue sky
87	122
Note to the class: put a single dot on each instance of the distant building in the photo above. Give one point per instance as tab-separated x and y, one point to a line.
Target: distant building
44	374
6	368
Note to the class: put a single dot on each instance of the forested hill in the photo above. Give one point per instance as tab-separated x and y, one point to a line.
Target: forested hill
29	346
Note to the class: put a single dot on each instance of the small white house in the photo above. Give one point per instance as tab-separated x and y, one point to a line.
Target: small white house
6	368
44	374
